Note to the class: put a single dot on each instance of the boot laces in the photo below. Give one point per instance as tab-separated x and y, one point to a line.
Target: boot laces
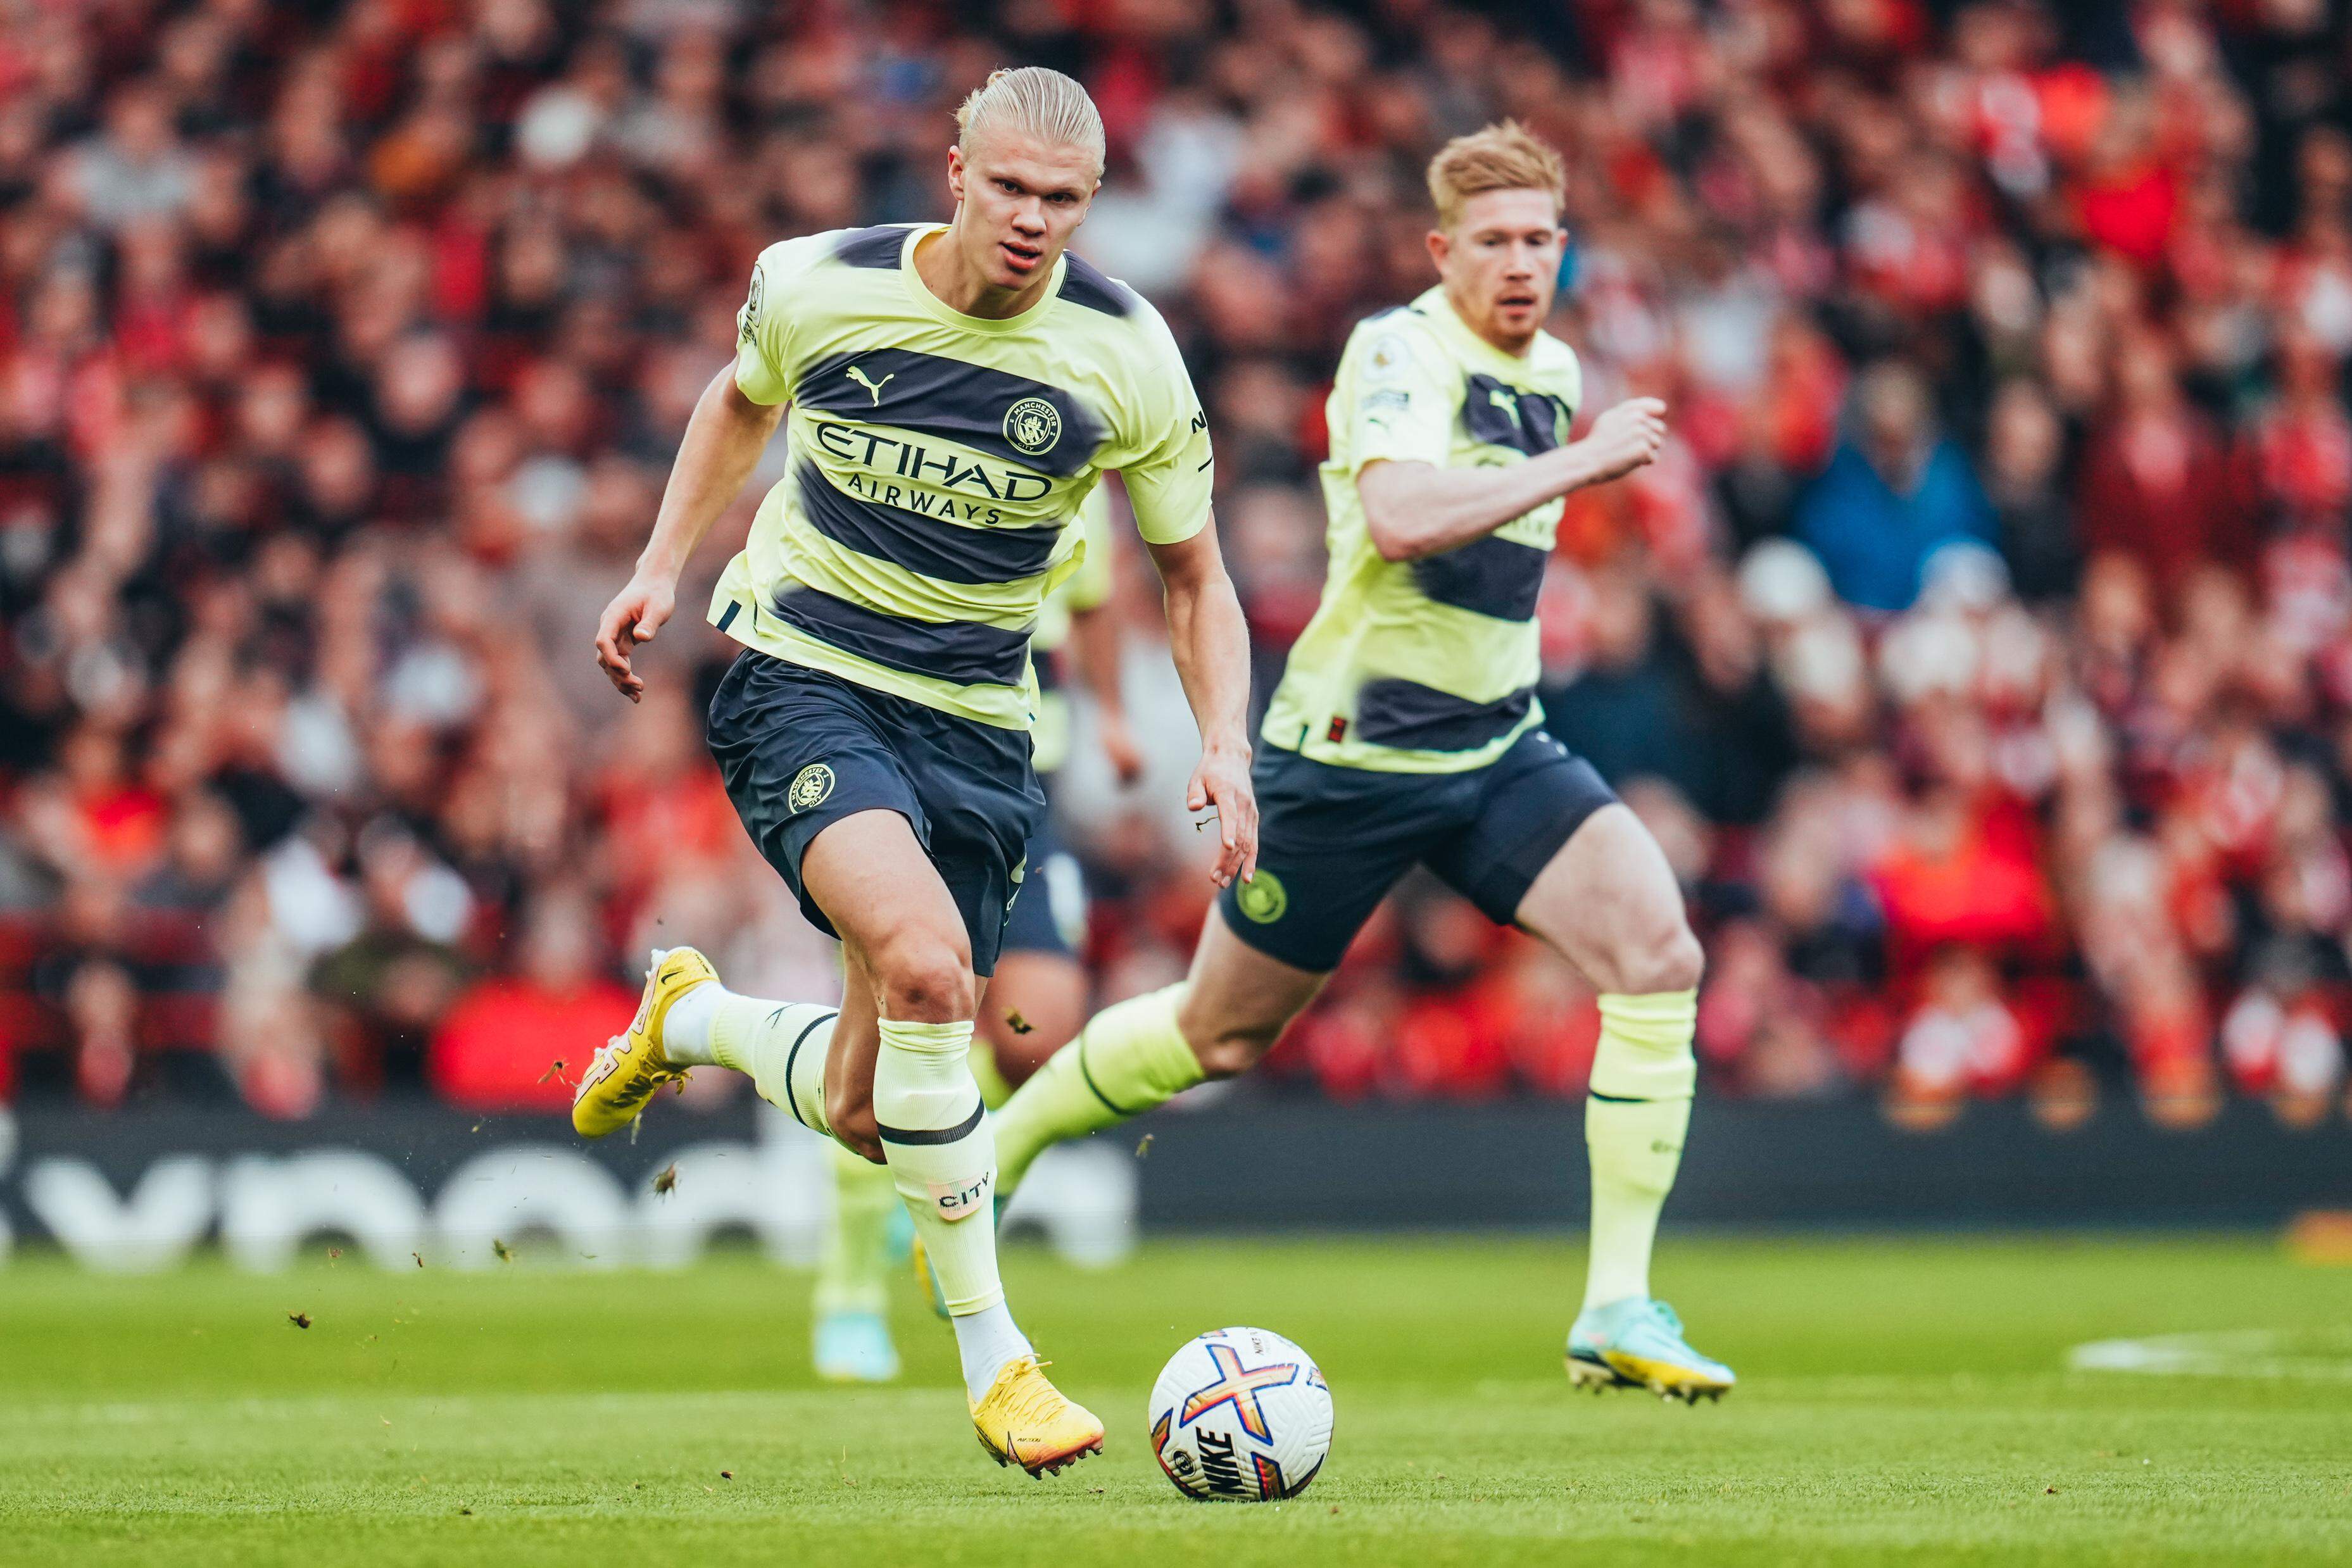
1031	1400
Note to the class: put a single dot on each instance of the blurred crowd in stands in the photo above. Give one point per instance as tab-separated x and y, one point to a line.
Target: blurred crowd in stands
1980	649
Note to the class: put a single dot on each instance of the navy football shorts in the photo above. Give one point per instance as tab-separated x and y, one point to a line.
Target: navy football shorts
1333	841
800	749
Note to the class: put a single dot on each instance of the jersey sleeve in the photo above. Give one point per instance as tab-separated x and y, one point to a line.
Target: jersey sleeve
1170	475
1402	399
763	361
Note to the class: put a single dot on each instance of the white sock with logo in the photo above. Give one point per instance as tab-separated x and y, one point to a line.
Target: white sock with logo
942	1154
685	1028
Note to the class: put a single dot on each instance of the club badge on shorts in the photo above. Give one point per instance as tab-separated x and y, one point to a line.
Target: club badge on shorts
810	787
1263	898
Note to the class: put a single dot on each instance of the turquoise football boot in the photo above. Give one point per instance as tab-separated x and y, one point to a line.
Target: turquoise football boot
854	1347
1638	1344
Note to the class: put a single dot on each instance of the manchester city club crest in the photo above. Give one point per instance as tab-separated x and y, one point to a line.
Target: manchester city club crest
811	785
1033	426
1263	898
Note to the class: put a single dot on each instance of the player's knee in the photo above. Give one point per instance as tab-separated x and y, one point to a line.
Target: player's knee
924	978
1227	1049
1665	958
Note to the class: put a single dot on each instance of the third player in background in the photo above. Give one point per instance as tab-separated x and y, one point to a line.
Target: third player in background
1406	730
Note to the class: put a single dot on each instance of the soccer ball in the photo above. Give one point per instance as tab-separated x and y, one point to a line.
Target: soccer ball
1241	1415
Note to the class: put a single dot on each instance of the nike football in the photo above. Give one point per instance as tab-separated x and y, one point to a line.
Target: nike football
1241	1415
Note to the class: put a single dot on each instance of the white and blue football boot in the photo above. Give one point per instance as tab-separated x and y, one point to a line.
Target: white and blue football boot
1638	1343
854	1347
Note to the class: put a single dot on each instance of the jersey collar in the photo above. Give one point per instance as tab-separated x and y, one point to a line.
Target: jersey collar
931	304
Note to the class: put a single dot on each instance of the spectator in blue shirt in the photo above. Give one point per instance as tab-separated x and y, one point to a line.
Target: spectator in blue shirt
1895	489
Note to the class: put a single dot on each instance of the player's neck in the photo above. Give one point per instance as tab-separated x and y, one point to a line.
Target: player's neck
1517	348
956	284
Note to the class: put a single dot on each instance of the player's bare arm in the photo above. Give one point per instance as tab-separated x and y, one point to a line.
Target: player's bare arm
1094	649
1413	509
1497	254
723	441
1210	643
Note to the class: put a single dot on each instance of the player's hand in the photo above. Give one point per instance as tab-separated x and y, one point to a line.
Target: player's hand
1118	748
1222	781
1625	438
635	614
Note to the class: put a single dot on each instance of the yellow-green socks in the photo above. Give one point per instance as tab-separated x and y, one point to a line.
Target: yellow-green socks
1643	1074
942	1153
1129	1058
853	1274
994	1089
781	1045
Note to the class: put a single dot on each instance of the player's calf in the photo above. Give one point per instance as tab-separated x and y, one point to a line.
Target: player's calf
1225	1047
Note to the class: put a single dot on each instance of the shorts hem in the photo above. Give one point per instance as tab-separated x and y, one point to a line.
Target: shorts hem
1251	934
1514	871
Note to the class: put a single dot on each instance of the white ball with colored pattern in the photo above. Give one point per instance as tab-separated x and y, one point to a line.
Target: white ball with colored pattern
1240	1416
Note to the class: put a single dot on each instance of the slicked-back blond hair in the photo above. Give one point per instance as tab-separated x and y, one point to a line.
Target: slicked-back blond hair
1505	157
1037	102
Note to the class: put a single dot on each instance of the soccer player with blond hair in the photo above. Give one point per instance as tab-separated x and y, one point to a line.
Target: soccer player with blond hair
1406	730
957	390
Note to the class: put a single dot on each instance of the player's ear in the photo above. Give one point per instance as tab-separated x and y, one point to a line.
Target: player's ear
955	171
1440	246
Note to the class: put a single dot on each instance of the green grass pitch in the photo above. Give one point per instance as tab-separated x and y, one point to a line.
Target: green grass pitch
1904	1401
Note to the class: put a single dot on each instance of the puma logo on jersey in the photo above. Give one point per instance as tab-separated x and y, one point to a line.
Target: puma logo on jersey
873	387
1507	401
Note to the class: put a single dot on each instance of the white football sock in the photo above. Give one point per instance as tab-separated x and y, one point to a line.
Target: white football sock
780	1045
685	1028
986	1340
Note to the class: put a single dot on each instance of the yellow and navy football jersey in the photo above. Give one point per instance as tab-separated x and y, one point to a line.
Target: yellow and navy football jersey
933	461
1427	665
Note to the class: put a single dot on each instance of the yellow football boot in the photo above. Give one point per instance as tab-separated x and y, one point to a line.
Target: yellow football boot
1025	1420
629	1067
